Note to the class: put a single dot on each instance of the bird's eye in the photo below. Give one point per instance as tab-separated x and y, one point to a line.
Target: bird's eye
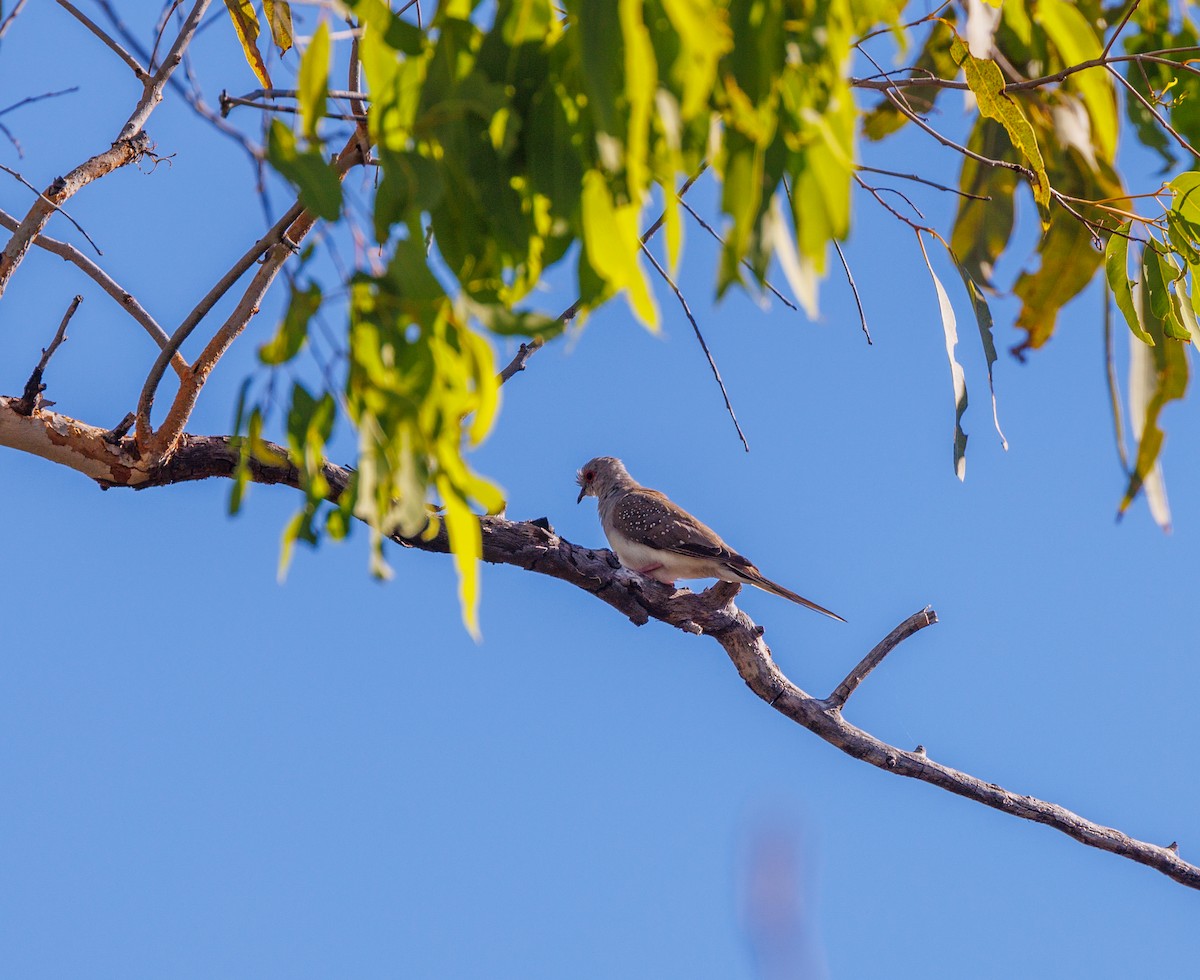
590	475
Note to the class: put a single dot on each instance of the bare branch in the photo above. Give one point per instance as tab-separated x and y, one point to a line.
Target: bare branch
52	207
12	16
914	623
141	73
27	404
127	301
533	546
1133	5
687	311
922	180
1150	108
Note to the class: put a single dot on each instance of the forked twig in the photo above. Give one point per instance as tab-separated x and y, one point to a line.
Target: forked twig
28	402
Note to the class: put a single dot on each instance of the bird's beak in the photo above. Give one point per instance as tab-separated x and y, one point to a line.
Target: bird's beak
582	491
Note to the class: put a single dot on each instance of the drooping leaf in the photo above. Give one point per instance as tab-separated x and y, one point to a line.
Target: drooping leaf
950	330
313	81
1116	269
1156	276
1158	375
245	23
983	318
987	83
466	542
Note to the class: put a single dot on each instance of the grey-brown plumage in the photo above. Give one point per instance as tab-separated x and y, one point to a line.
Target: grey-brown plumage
660	539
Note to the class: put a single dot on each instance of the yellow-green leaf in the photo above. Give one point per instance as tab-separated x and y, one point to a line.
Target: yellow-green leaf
241	12
1077	42
1116	270
987	83
466	543
279	19
610	236
313	81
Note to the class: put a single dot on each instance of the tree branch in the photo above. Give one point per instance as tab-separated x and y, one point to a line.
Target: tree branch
31	396
127	301
532	545
125	56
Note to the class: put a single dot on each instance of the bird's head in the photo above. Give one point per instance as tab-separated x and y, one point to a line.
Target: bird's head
598	475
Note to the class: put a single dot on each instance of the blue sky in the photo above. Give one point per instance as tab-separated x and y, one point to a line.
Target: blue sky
208	773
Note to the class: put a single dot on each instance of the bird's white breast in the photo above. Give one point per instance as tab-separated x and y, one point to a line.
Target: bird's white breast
638	556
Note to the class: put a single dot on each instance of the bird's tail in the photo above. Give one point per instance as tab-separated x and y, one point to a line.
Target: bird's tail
761	581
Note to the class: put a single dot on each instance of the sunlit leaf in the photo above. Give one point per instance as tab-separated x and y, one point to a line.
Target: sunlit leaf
610	235
313	81
1116	269
466	543
987	83
279	19
1077	42
245	23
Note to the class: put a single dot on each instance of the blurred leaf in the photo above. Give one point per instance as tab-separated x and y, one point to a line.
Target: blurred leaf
987	83
1116	269
610	235
934	61
1175	90
1157	375
279	19
311	174
950	329
313	81
466	542
245	23
1077	42
982	228
293	329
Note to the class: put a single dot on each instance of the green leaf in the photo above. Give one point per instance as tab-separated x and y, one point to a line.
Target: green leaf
950	329
987	83
245	23
316	181
610	236
1116	270
934	61
279	19
1157	274
313	81
466	543
293	329
1077	41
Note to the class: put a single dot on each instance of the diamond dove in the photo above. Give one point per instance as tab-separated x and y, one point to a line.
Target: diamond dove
659	539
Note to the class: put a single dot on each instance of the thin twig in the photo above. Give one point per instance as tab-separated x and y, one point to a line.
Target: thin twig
862	316
228	102
745	263
28	402
1154	112
38	98
56	207
12	16
922	180
141	73
517	365
914	623
700	337
1133	5
126	300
